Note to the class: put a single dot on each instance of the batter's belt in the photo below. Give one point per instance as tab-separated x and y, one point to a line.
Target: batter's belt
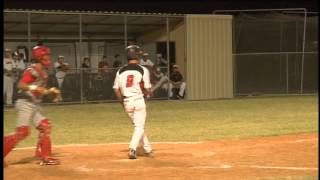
131	98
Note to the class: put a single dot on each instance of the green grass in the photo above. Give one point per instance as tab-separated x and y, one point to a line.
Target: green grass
180	120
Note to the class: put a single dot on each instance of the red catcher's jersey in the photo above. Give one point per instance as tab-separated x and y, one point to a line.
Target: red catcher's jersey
33	76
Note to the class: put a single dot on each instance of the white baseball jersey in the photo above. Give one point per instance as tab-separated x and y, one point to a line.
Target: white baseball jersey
8	79
130	78
8	64
148	62
20	65
60	74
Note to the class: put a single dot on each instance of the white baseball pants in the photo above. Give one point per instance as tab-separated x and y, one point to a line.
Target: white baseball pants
28	111
8	89
136	109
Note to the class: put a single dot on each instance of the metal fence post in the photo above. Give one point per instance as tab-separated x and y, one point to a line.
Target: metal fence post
80	44
168	53
303	49
287	69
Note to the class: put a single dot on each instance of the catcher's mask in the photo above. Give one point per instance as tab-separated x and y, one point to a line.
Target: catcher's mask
133	52
41	54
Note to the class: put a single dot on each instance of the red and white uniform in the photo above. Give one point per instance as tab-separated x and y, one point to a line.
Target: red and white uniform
129	80
28	107
28	102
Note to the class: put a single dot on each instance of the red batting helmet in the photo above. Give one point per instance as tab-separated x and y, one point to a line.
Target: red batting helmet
38	52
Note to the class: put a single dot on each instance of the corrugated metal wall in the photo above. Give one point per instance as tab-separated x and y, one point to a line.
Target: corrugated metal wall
209	57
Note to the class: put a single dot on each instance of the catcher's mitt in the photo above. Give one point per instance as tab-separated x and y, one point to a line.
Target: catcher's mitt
54	94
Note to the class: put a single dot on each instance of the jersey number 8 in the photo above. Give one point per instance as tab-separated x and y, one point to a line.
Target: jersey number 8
129	80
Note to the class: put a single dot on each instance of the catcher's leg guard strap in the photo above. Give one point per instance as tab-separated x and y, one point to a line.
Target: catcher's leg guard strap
11	141
44	142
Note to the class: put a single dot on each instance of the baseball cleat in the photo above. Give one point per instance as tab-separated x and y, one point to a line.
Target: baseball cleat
132	154
49	161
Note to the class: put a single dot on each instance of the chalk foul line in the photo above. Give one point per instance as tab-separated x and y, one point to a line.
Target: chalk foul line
279	167
177	142
222	166
107	144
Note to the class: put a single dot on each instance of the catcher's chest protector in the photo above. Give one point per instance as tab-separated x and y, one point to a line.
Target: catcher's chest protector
41	77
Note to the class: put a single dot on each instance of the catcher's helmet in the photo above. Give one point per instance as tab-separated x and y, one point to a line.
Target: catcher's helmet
133	52
39	51
37	54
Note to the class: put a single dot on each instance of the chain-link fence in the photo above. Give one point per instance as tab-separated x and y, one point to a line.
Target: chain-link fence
94	85
94	37
275	51
263	73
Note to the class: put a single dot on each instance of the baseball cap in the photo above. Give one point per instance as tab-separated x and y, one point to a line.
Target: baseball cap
15	53
60	56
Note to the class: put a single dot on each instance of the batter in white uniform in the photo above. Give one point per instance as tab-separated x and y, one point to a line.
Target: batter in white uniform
131	83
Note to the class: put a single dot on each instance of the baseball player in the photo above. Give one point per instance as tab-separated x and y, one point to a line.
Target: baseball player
145	61
32	87
19	64
131	83
9	68
61	69
176	81
159	79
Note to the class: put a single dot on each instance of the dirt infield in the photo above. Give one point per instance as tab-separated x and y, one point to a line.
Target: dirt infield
255	158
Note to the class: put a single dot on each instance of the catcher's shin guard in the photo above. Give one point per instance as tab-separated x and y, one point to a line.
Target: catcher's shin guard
10	141
43	149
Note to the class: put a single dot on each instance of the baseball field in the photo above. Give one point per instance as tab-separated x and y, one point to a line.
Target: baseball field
267	138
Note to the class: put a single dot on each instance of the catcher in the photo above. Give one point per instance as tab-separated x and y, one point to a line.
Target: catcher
32	87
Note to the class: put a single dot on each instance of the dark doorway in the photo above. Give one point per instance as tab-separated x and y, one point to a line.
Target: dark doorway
162	48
